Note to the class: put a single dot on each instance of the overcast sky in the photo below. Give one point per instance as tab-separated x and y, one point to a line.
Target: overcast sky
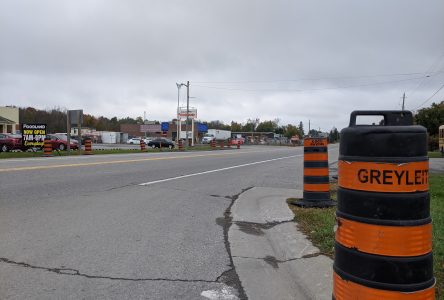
287	59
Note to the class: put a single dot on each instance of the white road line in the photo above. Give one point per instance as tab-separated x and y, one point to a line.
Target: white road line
217	170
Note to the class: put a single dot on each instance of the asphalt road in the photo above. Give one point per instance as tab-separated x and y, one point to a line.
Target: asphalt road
138	226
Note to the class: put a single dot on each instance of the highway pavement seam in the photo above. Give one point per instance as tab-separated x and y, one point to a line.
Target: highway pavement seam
230	277
273	261
74	272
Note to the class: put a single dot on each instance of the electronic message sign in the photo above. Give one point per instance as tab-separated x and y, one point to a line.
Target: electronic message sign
33	135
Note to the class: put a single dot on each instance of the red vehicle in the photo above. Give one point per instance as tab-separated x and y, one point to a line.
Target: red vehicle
10	142
60	143
236	141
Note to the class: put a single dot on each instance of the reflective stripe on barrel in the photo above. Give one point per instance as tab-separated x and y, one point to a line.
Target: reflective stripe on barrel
88	147
47	148
348	290
383	240
384	176
316	176
142	145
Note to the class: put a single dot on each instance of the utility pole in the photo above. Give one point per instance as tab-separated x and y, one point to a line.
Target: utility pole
144	119
68	132
178	123
188	109
308	128
403	101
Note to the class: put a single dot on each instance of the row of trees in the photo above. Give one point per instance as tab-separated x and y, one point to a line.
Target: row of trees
431	118
56	121
255	125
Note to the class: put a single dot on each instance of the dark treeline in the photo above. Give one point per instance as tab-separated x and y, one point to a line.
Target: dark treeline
55	119
431	118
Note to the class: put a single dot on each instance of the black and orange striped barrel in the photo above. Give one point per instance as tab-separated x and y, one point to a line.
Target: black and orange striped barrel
383	246
180	145
213	144
316	176
88	147
221	144
47	148
142	146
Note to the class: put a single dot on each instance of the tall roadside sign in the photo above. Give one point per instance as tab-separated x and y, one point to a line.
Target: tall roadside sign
33	135
74	118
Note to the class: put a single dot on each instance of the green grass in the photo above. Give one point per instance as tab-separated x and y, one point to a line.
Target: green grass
437	211
435	154
4	155
318	225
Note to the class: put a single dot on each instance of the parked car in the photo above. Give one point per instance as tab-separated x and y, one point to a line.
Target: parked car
133	141
59	143
10	142
147	140
161	142
237	141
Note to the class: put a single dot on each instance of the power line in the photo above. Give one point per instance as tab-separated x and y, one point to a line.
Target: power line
306	90
429	70
312	79
430	98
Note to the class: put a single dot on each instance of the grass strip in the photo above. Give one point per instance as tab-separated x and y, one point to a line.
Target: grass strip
437	210
318	223
5	155
435	154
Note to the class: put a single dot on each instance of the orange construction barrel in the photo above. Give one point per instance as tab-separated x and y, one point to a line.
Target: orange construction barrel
47	148
88	147
142	146
383	246
316	175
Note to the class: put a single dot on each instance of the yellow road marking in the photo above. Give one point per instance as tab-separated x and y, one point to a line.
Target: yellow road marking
118	161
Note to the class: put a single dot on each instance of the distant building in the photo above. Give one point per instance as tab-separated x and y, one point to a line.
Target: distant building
133	130
9	119
155	130
85	130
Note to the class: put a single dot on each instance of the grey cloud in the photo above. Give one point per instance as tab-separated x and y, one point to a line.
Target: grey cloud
124	57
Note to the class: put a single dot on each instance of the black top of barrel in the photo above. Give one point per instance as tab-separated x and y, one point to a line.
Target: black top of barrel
391	117
396	136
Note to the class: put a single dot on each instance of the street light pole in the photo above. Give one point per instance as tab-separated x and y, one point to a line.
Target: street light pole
188	108
179	85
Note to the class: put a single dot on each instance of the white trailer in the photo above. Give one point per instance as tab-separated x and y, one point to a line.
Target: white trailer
216	134
110	137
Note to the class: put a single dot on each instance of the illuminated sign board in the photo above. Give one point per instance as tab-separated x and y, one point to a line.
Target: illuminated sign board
33	135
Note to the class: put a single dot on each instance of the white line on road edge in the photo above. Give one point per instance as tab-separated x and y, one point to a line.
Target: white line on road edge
218	170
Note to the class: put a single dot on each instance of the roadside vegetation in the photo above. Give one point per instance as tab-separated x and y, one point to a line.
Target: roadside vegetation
318	225
4	155
435	154
437	210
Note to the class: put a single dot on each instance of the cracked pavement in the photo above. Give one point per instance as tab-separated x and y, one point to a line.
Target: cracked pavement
272	258
92	232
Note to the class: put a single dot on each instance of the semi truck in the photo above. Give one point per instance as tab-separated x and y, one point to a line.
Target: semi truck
216	134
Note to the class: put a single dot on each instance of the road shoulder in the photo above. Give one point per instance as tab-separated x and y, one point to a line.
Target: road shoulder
272	258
